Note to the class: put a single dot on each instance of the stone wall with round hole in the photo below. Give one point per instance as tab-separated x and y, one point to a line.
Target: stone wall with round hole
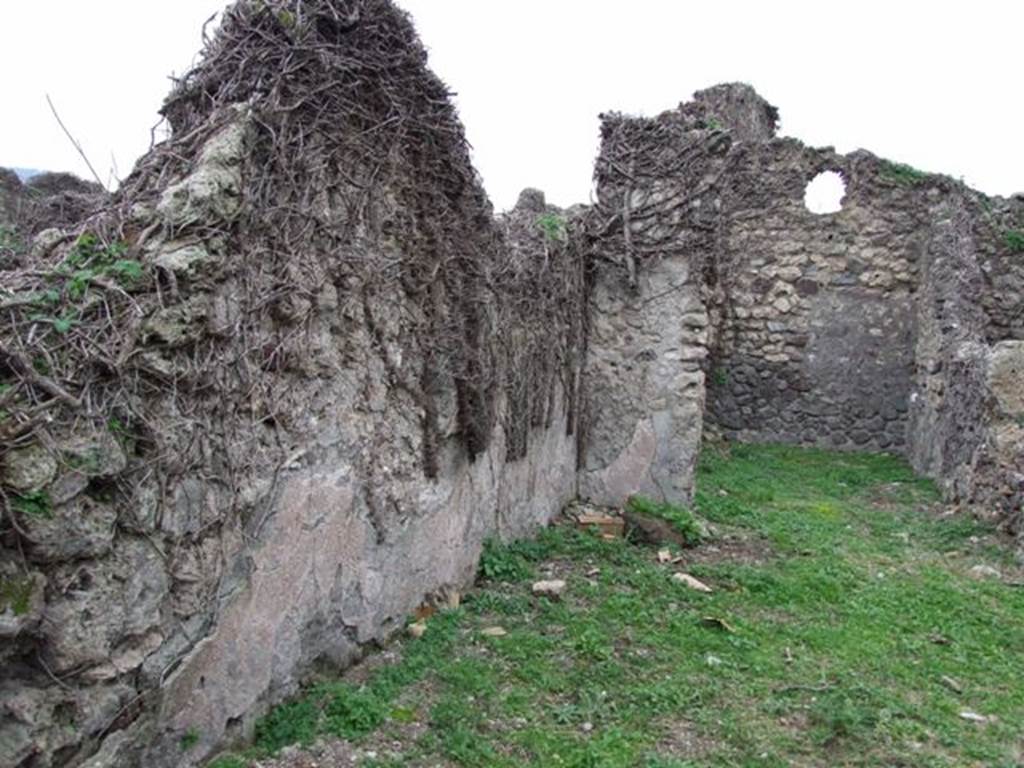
825	193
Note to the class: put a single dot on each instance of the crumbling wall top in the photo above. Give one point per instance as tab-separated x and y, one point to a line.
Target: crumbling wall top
738	107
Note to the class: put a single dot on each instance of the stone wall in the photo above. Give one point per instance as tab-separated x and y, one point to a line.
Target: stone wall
282	413
965	428
997	488
46	200
817	335
811	317
644	385
11	194
947	424
326	574
870	328
997	228
304	373
649	329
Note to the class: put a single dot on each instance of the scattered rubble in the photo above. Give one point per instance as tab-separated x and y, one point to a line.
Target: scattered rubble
982	572
551	589
691	582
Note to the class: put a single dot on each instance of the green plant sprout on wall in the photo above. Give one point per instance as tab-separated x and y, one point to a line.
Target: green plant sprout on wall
1014	238
90	260
33	504
16	595
189	740
554	227
901	173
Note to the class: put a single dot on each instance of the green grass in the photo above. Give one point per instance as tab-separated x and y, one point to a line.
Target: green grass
500	562
229	761
901	173
842	600
1014	240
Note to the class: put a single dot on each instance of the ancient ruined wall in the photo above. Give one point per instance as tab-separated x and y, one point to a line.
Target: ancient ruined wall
876	327
47	201
997	490
542	331
816	342
815	334
261	406
59	200
947	423
644	385
649	328
811	335
965	428
278	392
11	192
997	229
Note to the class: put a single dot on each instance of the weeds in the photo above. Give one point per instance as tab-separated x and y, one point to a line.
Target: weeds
351	713
904	174
5	392
122	434
845	714
88	263
1014	240
345	711
509	562
16	595
296	722
189	740
33	504
335	709
89	260
554	227
229	761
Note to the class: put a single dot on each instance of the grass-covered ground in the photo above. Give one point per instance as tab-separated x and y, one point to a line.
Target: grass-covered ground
846	628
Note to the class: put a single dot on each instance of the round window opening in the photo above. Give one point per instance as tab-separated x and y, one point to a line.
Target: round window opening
825	193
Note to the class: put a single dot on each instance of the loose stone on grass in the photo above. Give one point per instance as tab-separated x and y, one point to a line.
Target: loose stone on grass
691	582
982	572
551	589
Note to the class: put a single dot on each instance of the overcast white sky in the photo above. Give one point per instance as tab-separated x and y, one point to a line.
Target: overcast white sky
937	85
